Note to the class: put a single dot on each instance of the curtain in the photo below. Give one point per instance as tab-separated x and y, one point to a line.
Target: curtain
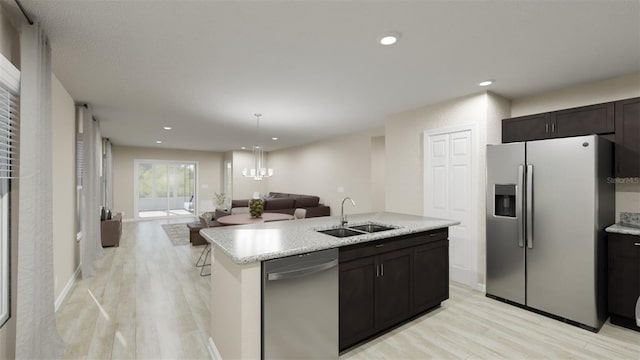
107	174
90	245
36	333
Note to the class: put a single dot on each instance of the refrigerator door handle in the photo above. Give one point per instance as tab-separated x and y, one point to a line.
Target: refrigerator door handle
520	205
529	201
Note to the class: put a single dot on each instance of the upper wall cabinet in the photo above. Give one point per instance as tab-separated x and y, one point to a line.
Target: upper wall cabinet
628	138
621	117
585	120
526	128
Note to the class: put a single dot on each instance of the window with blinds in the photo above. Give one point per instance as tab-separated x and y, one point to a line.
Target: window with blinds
9	115
9	123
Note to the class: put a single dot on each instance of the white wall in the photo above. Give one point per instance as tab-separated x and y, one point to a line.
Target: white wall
404	145
9	39
404	149
209	179
623	87
66	255
322	167
618	88
378	173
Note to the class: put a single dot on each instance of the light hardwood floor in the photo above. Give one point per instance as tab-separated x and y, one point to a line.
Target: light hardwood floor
148	301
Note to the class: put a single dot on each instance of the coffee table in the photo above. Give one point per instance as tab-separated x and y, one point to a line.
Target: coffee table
241	219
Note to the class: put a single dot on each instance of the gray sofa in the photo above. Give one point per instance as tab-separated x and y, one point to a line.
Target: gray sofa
285	203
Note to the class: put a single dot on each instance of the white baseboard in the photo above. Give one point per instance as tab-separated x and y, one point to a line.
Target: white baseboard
481	287
213	350
463	276
67	288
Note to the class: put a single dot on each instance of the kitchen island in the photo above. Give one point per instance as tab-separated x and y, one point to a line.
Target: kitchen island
238	254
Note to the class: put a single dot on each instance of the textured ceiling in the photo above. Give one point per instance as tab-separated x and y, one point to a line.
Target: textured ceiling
314	69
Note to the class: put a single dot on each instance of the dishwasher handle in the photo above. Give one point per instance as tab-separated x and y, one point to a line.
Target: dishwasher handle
309	270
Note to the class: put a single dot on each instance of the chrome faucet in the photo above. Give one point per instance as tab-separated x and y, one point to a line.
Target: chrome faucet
343	217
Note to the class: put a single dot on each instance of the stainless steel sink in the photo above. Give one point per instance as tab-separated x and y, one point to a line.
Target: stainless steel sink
342	232
371	228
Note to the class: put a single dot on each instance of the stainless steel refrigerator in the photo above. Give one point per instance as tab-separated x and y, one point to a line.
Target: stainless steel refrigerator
548	203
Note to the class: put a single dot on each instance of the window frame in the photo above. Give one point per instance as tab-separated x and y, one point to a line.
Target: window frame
10	84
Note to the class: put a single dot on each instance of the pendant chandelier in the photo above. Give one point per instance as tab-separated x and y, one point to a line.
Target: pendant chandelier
257	171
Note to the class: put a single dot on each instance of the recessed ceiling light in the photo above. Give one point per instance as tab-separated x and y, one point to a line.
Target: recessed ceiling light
158	142
244	148
274	138
167	127
389	38
486	82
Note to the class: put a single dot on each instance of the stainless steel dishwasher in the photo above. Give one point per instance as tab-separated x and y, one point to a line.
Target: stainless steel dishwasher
300	306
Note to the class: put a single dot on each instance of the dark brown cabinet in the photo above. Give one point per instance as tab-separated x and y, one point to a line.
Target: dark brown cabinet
394	287
624	278
526	128
386	282
357	300
620	117
430	288
585	120
628	138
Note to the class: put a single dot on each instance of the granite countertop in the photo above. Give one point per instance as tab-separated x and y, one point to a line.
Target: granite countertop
629	224
246	244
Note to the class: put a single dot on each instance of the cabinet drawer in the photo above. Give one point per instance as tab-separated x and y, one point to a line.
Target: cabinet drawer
435	235
624	245
372	248
395	243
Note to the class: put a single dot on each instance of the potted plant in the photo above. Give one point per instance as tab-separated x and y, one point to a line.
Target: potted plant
256	206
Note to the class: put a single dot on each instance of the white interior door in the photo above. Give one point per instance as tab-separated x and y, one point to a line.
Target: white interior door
437	175
449	193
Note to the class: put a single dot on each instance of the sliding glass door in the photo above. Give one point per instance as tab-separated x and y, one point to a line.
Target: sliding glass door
165	188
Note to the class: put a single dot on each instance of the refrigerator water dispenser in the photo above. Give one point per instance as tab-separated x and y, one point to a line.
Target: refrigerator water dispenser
505	200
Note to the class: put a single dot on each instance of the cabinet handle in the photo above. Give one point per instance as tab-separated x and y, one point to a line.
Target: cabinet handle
432	235
377	271
379	245
546	127
381	269
553	127
637	244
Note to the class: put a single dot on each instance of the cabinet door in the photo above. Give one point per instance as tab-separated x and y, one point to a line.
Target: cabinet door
624	274
526	128
394	288
357	300
430	275
628	138
585	120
